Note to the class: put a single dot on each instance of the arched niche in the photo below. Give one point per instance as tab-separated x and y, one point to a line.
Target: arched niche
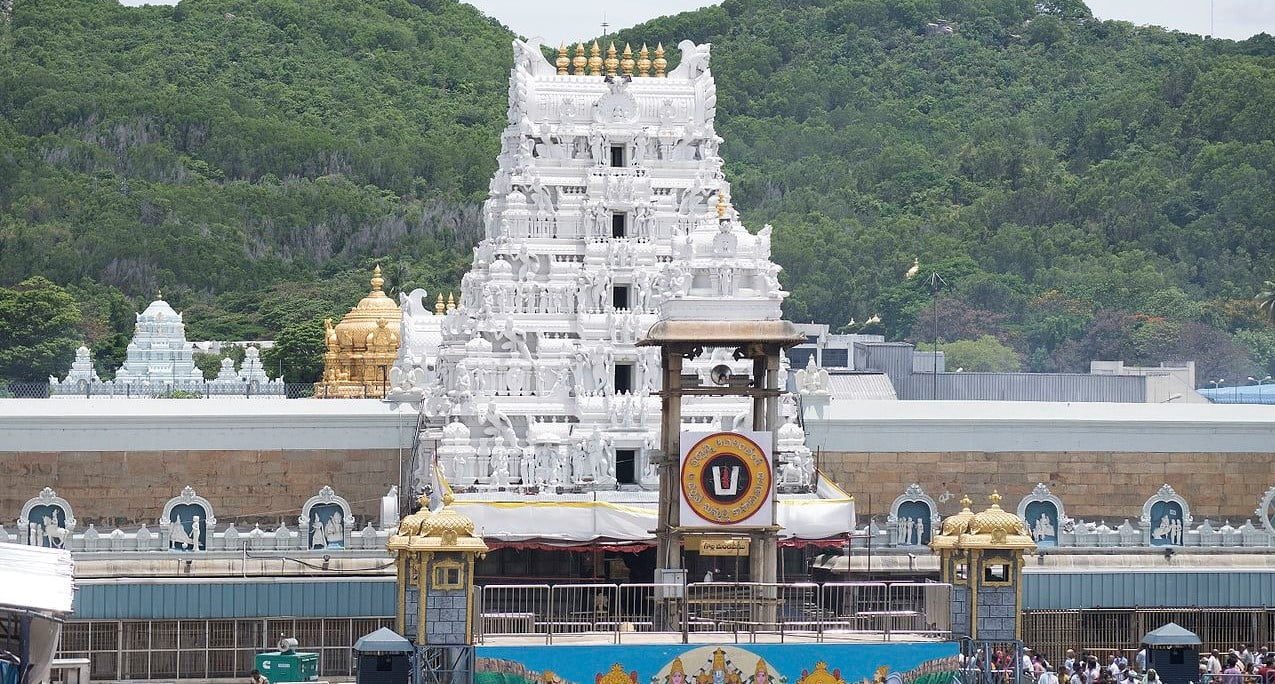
325	521
46	520
913	517
187	522
1166	518
1044	514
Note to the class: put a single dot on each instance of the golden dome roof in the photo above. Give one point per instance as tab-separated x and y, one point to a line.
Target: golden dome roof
447	523
375	316
953	527
996	528
956	525
444	530
996	521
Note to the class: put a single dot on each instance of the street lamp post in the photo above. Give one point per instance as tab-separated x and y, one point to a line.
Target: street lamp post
935	279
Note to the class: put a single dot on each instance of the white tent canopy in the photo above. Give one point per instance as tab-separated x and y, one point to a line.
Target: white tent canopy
36	579
632	516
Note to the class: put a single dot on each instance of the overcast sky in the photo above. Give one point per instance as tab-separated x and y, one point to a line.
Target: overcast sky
571	20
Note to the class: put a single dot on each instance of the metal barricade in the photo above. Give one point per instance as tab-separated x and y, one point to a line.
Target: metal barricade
798	609
721	607
919	608
648	608
855	607
515	609
580	608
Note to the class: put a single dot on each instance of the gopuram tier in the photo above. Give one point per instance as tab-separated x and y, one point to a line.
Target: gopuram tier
609	205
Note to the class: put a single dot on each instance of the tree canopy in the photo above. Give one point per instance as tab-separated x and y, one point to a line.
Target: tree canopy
1065	175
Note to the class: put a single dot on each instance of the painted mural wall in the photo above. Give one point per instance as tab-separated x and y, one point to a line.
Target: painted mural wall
912	663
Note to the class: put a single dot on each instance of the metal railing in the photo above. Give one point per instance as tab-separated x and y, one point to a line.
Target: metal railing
185	390
744	610
1105	631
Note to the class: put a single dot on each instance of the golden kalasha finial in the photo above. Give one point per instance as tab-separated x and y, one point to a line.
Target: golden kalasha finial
595	59
644	61
721	205
626	63
377	280
159	293
611	61
580	60
439	306
965	501
995	498
562	60
660	63
451	302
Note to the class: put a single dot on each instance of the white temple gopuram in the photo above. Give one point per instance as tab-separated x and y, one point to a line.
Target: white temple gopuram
609	205
161	360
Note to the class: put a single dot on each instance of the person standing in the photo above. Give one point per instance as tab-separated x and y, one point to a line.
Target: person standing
1213	665
1048	677
1232	674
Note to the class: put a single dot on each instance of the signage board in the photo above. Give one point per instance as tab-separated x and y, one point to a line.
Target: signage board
727	480
724	547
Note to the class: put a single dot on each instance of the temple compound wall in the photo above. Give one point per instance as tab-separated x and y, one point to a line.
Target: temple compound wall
1101	459
1097	485
119	461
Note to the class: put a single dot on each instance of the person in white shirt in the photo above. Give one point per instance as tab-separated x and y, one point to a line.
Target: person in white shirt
1214	665
1048	677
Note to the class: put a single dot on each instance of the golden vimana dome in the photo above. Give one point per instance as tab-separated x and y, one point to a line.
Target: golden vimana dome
444	530
361	348
997	522
993	527
956	525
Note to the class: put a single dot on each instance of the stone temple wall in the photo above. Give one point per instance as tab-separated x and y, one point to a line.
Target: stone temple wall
266	486
1110	486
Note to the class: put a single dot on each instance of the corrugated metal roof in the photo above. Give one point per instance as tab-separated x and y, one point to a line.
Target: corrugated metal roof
135	599
1025	387
1125	589
861	386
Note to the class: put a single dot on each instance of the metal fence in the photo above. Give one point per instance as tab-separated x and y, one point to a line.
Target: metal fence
1104	631
745	610
120	650
194	390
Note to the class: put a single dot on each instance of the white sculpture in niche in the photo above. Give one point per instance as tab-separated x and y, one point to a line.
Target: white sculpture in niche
325	521
187	521
46	520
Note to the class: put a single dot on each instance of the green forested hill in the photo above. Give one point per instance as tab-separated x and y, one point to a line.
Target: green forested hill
1086	189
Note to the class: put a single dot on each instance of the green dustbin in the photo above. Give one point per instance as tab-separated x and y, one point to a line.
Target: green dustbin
287	666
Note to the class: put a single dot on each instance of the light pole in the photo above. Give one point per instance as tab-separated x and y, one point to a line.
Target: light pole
934	280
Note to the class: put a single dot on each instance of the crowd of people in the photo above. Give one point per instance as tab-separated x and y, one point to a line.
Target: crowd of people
1244	665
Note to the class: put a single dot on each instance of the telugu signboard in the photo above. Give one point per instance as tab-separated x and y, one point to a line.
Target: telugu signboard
727	480
724	547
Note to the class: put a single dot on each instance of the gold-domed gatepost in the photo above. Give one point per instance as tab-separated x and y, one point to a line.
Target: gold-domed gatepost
434	555
981	556
361	348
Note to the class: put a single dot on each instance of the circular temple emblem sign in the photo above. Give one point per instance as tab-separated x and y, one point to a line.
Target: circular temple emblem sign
726	479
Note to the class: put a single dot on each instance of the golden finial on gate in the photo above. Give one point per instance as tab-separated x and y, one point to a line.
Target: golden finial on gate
439	306
626	62
644	61
595	59
611	61
580	60
562	61
660	63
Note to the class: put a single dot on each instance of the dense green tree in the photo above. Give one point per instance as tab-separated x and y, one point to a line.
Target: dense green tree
297	353
1063	174
986	354
38	330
